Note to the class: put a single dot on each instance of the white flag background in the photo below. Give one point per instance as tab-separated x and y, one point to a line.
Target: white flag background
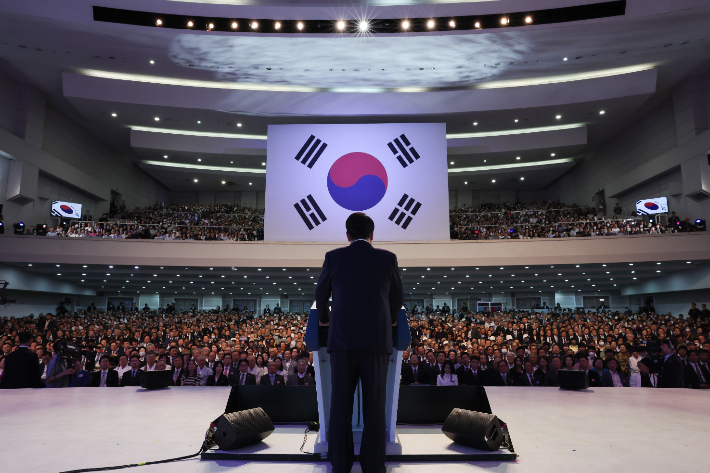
303	205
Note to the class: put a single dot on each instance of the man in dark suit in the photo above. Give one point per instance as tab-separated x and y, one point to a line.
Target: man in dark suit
105	377
500	377
694	377
614	378
592	376
413	373
464	373
134	376
672	371
243	377
301	376
22	366
527	378
367	296
271	378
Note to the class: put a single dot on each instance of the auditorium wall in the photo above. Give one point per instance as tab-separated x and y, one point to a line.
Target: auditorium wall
252	199
31	302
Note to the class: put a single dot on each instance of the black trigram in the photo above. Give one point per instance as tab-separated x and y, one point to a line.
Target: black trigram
311	149
402	147
406	209
308	208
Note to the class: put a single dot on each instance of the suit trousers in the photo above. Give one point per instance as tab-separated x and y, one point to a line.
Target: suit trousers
346	367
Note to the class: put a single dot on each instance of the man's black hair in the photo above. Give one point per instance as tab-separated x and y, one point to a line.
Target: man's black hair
25	337
359	226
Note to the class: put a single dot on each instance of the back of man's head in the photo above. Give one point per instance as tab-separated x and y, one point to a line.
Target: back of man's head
25	337
359	226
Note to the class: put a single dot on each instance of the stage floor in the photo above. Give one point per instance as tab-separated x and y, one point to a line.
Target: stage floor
605	429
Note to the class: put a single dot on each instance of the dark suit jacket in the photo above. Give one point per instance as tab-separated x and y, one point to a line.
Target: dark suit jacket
111	378
21	370
367	296
127	379
307	379
408	375
551	378
222	381
249	381
466	377
494	378
608	382
593	378
523	380
671	373
691	377
278	380
432	372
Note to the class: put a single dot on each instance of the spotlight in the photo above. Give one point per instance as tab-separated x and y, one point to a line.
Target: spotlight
451	162
466	182
254	25
363	25
250	183
430	24
235	25
504	21
299	25
477	24
152	62
564	59
405	25
210	26
190	24
277	25
452	24
158	22
528	19
199	160
340	25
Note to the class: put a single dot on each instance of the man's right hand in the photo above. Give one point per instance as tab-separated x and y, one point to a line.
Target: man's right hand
69	371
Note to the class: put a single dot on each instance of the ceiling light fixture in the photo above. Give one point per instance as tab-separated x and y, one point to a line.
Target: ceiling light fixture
504	21
277	25
517	157
430	24
224	182
210	26
452	24
493	180
477	24
235	25
152	61
340	25
363	26
190	24
300	25
157	119
195	180
602	112
114	115
254	25
158	22
239	125
558	117
405	25
528	20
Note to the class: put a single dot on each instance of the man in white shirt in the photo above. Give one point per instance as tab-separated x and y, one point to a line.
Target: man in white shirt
122	366
149	361
203	370
255	370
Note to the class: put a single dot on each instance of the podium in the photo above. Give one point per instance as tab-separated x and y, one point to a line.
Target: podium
317	341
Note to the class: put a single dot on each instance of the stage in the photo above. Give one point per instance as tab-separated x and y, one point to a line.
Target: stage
605	429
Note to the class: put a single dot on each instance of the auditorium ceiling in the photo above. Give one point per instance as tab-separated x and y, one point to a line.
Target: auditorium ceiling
418	281
513	95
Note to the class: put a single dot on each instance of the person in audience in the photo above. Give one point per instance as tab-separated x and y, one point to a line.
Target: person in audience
104	377
191	378
592	375
243	377
21	368
122	366
645	378
500	376
413	372
272	378
301	378
447	377
81	378
671	375
203	370
177	371
134	375
694	377
528	377
218	378
614	378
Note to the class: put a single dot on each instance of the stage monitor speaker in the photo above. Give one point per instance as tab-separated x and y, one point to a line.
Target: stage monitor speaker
572	379
474	429
239	429
156	379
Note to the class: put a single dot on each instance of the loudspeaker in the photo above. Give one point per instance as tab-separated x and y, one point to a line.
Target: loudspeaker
156	379
474	429
239	429
572	379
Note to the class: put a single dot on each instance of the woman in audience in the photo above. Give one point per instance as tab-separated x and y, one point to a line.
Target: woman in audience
518	368
191	377
218	378
540	373
280	367
447	378
569	363
599	367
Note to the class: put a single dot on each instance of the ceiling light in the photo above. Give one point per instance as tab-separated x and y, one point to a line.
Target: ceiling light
199	160
157	119
340	25
466	182
152	62
263	164
195	180
250	183
239	125
516	120
198	122
363	25
493	180
477	24
158	22
451	162
452	24
190	24
504	21
528	19
602	112
210	26
234	25
564	59
558	117
522	178
165	156
430	24
475	123
552	154
277	25
114	115
405	25
224	182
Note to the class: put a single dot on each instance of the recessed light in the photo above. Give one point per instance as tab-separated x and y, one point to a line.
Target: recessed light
452	24
190	24
602	112
552	154
493	180
263	164
114	115
152	62
504	21
528	19
198	122
558	117
477	24
250	183
405	25
239	124
158	22
363	25
516	120
522	178
199	160
299	25
224	182
475	123
235	25
518	157
254	25
564	59
340	25
430	24
194	180
466	182
451	162
157	119
165	156
277	25
210	26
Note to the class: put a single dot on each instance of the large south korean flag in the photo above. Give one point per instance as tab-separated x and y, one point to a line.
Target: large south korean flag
317	175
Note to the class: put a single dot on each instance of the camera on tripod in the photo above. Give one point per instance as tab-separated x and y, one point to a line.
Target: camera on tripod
69	352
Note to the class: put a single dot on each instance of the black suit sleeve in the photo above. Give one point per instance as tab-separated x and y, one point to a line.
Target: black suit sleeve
323	291
396	292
